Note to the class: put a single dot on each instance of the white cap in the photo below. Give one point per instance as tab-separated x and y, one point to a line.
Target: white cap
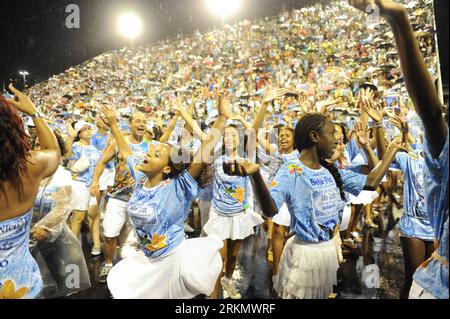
80	125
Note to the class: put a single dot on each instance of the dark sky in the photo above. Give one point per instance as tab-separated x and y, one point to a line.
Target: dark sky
34	36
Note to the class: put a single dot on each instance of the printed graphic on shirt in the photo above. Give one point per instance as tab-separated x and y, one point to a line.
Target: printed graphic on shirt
294	168
326	204
419	207
238	193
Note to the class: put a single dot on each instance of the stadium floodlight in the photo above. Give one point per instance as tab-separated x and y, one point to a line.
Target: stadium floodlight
24	74
224	8
129	25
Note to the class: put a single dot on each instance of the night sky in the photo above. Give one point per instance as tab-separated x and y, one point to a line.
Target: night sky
34	36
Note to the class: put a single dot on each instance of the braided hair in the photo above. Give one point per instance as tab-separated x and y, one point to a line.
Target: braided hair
314	122
15	147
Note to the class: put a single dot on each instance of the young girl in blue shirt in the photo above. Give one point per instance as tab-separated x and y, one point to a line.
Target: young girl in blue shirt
168	267
314	191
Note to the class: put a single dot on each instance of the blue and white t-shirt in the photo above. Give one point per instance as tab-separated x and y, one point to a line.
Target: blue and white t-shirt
313	198
101	142
434	277
94	156
271	164
230	193
414	223
158	214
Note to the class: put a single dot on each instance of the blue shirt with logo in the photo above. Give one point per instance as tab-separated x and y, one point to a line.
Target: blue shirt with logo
313	198
434	277
230	193
158	214
414	223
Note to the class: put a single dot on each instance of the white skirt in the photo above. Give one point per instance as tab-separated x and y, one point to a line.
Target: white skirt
364	198
307	270
283	217
235	227
191	270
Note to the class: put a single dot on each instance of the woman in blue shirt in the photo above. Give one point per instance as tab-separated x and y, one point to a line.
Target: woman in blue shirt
431	278
169	267
232	216
314	191
80	149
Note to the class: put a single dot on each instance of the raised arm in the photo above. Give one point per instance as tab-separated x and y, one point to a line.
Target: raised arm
377	174
418	80
110	118
69	140
169	129
368	106
362	135
187	117
204	156
108	155
268	98
46	161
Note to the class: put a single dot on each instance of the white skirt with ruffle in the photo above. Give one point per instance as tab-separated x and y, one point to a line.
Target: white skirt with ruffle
191	270
307	270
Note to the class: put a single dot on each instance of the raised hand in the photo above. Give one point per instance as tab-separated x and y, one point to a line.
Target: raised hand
362	134
108	115
397	144
398	122
386	8
70	130
22	102
366	101
272	95
224	104
241	168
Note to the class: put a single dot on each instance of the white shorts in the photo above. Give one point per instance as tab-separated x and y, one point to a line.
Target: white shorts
115	217
107	179
81	196
418	292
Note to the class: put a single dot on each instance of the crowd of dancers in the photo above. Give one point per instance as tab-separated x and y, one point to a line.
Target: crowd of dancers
300	122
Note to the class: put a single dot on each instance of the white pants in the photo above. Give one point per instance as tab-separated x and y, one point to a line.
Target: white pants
115	217
417	292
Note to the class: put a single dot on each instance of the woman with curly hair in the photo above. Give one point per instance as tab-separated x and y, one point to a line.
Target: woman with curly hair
21	173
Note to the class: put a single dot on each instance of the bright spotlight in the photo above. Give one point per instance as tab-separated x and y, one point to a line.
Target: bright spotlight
224	8
129	25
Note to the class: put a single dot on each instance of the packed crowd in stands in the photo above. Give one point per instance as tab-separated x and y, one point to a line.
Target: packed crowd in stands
306	122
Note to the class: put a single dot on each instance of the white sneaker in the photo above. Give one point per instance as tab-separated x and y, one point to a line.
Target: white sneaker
229	287
188	229
96	252
104	274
